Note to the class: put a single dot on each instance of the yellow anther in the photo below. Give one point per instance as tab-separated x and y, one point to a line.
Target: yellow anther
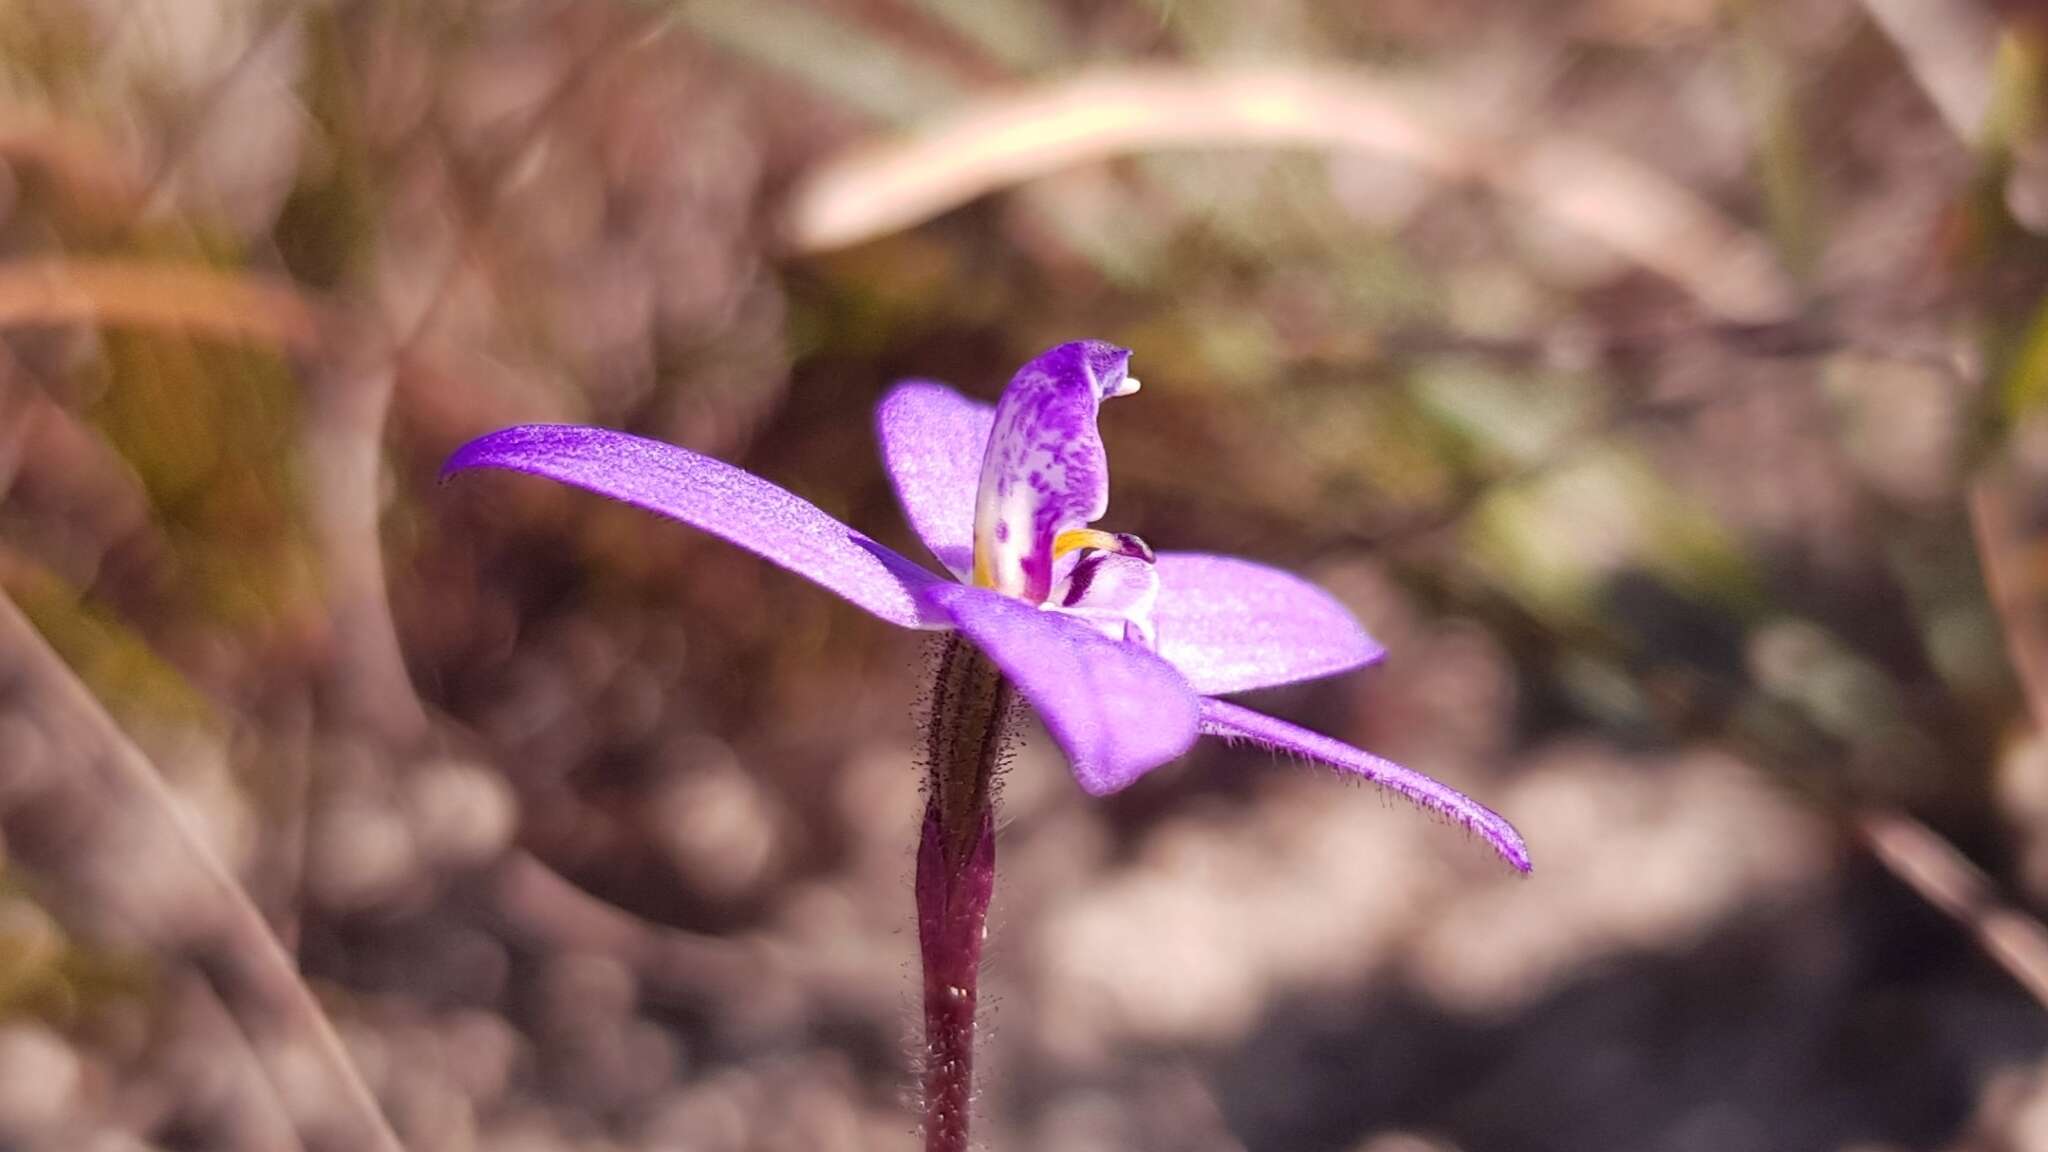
1075	539
1114	543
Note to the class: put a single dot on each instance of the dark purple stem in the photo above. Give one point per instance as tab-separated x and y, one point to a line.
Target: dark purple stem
952	910
966	739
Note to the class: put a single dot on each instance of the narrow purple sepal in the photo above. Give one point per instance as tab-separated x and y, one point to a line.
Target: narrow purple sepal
720	499
933	440
1232	722
1231	625
1115	709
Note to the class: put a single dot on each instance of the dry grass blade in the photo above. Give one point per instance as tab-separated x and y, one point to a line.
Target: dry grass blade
348	400
1949	47
542	905
2015	595
75	161
1015	137
1943	877
1918	855
251	968
258	1120
185	297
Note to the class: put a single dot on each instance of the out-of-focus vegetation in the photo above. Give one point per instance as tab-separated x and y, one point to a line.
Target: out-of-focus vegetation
1659	379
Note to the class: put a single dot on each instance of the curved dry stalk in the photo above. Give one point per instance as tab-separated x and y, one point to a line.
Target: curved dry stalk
1018	136
1949	47
541	905
260	1121
1945	878
235	947
77	162
1917	854
192	297
347	401
2015	596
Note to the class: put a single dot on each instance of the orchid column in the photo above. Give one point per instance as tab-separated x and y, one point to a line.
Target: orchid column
1120	651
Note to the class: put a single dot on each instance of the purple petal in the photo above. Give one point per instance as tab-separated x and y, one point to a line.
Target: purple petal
1234	723
719	498
933	440
1045	471
1117	710
1231	625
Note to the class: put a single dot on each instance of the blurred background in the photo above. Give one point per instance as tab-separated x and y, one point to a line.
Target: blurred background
1660	380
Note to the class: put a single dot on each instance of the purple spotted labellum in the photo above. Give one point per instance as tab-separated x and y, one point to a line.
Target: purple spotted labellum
1120	650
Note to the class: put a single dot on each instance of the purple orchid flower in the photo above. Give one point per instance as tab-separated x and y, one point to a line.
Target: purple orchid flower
1122	651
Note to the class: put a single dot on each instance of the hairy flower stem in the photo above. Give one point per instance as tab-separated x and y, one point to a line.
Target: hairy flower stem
967	735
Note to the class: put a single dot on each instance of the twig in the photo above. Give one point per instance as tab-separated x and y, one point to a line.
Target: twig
1932	867
260	1121
153	294
238	950
538	903
1948	46
2013	595
16	404
343	438
1915	853
76	161
1019	136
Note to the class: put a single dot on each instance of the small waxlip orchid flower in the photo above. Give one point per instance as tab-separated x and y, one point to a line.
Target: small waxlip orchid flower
1121	650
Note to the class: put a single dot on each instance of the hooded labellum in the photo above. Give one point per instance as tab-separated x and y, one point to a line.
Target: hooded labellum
1121	650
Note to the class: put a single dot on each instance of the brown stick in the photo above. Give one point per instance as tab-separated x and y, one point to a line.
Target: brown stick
1932	867
153	294
541	906
1917	854
1950	49
258	1119
348	398
2013	597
